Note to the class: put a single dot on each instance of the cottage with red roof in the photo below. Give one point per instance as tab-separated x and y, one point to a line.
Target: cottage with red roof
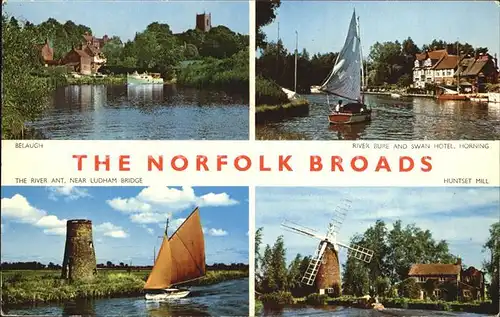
423	67
86	58
468	284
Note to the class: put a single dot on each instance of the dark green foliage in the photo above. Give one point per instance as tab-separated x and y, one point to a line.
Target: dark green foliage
24	95
316	299
276	298
492	266
268	92
265	12
409	288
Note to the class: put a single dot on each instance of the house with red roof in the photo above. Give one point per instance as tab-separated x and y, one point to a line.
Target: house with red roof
465	284
440	68
87	58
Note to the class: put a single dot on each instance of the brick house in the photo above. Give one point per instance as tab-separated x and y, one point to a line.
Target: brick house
423	67
79	61
47	53
468	284
479	71
87	58
439	67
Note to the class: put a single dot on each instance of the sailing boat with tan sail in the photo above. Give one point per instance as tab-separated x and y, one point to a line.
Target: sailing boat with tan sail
344	80
181	259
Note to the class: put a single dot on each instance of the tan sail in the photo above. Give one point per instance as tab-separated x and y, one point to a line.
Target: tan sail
188	250
161	276
182	257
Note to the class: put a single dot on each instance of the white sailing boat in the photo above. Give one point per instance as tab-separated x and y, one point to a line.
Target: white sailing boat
344	80
181	259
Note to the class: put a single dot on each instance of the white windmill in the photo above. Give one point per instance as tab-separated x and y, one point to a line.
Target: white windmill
324	267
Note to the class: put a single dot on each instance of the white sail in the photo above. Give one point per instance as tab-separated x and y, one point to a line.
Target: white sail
345	78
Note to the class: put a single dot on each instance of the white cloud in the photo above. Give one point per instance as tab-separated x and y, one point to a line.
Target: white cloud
149	217
51	221
212	199
110	230
156	204
128	205
217	232
68	192
58	231
19	209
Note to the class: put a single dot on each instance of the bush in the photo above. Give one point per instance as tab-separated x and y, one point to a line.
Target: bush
277	298
267	92
316	299
409	288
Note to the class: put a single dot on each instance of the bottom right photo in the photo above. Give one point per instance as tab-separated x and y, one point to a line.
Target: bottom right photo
377	251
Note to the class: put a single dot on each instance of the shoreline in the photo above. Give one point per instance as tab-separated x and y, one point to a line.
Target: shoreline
484	307
267	113
32	290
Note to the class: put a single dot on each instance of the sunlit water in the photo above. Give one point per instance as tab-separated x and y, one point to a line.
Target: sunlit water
394	119
348	311
154	112
224	299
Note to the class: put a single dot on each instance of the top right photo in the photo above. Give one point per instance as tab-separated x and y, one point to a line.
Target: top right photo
377	70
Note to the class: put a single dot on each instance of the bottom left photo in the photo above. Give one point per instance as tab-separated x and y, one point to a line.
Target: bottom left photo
125	251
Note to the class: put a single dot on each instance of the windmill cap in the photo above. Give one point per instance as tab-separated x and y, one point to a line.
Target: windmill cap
79	221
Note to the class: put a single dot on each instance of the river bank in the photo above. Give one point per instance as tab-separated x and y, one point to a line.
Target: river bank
267	113
32	288
315	300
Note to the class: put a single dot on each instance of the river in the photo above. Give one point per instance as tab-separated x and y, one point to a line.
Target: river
144	112
393	119
348	311
228	298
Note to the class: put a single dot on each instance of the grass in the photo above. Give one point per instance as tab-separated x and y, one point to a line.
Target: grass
42	286
267	113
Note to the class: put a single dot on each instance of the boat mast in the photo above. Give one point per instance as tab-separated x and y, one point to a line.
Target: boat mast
296	52
363	81
458	68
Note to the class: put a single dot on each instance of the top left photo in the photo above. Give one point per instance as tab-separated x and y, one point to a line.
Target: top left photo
129	70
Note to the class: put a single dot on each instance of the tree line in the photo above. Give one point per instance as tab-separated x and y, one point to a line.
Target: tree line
34	265
388	63
395	250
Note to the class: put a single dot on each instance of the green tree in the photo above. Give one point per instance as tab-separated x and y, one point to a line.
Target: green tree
492	265
265	14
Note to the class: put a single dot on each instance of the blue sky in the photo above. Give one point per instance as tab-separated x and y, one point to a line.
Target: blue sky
126	221
322	25
125	18
461	216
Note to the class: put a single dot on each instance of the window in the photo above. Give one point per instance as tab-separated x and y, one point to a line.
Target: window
467	293
437	293
330	290
442	279
422	279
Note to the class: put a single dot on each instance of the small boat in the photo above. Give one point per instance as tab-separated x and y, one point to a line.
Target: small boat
448	94
479	99
291	95
315	90
395	95
142	79
181	259
344	80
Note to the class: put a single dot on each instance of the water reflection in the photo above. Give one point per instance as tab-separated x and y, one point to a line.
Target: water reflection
395	119
143	112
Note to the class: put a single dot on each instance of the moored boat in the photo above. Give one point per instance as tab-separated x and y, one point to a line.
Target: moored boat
395	95
145	78
181	259
351	113
344	81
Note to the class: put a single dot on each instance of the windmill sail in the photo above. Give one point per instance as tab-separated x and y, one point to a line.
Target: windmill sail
345	78
182	257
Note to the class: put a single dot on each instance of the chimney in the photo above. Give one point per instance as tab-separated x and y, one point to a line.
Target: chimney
459	261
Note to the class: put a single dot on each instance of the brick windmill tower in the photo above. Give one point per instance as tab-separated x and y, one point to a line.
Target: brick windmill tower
323	270
79	261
